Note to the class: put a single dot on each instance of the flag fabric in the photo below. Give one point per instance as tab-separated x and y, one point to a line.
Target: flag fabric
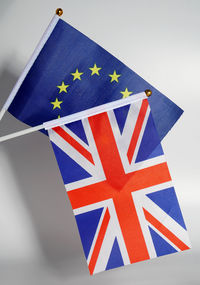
72	73
119	186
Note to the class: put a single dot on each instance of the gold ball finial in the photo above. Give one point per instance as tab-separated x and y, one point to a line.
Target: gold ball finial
148	92
59	12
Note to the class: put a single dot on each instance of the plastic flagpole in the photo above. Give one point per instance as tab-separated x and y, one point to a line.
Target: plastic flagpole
80	115
32	59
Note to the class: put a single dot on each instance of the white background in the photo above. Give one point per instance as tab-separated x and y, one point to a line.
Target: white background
39	242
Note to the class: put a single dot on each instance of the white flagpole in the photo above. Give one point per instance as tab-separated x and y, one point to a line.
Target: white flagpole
21	133
31	61
80	115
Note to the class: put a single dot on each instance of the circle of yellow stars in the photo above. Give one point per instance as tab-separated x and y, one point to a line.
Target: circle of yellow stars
114	77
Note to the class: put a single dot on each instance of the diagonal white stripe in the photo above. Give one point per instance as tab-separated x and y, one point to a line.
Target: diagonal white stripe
142	201
123	140
75	137
130	124
166	220
140	136
163	237
95	170
105	250
113	231
73	153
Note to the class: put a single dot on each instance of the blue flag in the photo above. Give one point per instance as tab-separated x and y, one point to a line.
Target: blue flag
72	73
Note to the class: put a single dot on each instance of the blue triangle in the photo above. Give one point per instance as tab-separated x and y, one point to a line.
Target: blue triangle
115	259
77	128
87	224
70	170
166	199
121	115
150	145
156	152
161	246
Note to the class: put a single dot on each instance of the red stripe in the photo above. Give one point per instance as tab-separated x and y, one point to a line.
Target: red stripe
147	177
108	151
99	242
104	190
74	143
90	194
161	228
137	129
131	229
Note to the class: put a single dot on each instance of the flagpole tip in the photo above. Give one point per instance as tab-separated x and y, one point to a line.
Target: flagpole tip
148	92
59	12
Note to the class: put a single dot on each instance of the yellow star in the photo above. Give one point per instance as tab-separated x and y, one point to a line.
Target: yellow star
56	104
95	69
126	93
77	75
114	76
62	87
58	116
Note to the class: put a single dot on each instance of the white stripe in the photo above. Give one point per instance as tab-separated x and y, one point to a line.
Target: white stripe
113	231
93	149
91	207
165	220
123	140
76	138
83	182
164	237
142	201
96	235
105	250
138	201
99	175
97	172
155	188
73	153
148	163
118	233
140	136
143	224
130	124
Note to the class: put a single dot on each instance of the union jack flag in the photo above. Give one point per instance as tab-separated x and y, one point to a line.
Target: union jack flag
119	186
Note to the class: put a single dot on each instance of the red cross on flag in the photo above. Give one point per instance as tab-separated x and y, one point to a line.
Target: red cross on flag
119	186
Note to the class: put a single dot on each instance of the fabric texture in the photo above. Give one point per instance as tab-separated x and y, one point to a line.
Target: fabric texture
73	73
119	186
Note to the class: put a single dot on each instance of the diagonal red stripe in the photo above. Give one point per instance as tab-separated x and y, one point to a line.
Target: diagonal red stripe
137	130
118	186
74	143
161	228
99	242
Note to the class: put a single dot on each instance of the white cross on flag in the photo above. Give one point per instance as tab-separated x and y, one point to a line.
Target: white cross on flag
119	186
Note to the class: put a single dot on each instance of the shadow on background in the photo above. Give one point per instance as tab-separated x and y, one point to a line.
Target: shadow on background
40	185
42	192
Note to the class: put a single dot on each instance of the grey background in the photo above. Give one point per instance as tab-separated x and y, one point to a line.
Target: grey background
39	242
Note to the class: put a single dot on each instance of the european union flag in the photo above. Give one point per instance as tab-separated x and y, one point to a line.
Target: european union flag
72	73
